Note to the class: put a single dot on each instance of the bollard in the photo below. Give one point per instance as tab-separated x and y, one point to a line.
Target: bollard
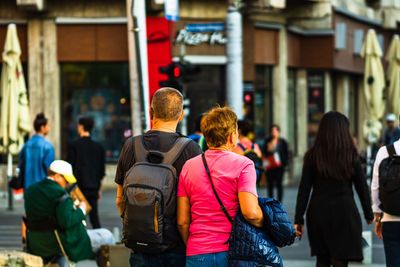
367	249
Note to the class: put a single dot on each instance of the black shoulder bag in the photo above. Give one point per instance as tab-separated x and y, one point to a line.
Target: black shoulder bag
215	192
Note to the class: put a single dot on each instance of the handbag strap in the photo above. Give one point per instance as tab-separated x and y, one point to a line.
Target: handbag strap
215	192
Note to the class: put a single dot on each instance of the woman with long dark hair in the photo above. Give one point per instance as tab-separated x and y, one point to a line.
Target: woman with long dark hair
331	167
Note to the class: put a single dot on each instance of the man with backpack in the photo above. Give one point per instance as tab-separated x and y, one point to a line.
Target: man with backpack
147	177
385	189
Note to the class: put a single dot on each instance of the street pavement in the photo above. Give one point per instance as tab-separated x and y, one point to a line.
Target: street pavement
297	255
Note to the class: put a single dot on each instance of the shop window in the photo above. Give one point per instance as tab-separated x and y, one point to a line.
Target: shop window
99	90
316	103
204	90
358	41
262	101
340	36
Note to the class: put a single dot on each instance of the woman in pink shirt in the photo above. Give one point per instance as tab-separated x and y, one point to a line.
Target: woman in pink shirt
202	224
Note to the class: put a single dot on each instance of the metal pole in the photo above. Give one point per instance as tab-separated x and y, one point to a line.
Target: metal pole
234	73
136	104
9	177
139	23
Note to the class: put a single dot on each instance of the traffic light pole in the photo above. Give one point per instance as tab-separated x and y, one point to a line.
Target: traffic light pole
234	72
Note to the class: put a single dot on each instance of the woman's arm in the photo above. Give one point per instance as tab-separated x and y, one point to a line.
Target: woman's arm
250	209
183	217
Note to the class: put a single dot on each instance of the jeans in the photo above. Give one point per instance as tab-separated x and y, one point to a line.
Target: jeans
391	243
219	259
139	259
100	237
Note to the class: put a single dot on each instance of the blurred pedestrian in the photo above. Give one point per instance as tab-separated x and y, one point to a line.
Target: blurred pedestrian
331	168
392	132
276	158
248	148
37	154
234	179
197	136
385	189
87	158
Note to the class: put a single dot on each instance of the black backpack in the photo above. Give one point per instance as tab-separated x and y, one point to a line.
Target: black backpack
389	182
149	193
251	154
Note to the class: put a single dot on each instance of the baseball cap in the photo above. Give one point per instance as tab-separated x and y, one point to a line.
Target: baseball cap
64	168
391	117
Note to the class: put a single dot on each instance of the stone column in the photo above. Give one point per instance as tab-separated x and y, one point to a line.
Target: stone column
301	111
51	83
342	94
279	85
328	91
43	82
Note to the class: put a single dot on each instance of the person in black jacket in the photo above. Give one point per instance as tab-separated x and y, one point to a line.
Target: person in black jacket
331	167
87	158
276	149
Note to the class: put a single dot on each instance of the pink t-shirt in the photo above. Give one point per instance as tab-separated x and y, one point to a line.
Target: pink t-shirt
231	173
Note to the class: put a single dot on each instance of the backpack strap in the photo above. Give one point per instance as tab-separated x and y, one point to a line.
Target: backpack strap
391	151
242	147
140	152
172	155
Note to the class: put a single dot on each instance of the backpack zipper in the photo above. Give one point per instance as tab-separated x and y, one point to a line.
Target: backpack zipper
155	216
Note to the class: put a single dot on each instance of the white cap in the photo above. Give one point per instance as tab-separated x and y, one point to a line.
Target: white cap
64	168
391	117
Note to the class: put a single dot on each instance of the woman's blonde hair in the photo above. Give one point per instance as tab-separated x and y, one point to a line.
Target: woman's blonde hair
217	124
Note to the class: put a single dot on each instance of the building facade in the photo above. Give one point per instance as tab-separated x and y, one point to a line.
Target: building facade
300	59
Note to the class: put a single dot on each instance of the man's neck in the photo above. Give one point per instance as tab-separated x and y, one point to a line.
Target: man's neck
164	126
40	133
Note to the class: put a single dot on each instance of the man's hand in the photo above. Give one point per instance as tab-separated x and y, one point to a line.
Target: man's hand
83	206
99	198
378	229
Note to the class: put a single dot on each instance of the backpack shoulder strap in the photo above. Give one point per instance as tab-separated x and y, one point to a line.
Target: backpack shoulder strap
172	155
140	152
252	146
242	147
391	150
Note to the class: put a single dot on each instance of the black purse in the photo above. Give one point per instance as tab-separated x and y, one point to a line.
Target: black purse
17	181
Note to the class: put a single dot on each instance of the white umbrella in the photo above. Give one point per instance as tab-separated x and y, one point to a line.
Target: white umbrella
14	120
374	83
393	75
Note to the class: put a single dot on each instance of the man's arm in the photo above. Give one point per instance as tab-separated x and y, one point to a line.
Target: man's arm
183	217
68	215
120	200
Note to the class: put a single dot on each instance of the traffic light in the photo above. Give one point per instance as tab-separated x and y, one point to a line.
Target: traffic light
177	72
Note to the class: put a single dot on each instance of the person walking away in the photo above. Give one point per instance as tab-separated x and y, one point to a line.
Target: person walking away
37	153
392	132
276	153
144	162
331	167
246	147
385	190
87	158
48	208
197	136
202	224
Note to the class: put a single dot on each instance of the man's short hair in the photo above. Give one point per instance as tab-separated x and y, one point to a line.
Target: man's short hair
87	123
167	104
217	125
